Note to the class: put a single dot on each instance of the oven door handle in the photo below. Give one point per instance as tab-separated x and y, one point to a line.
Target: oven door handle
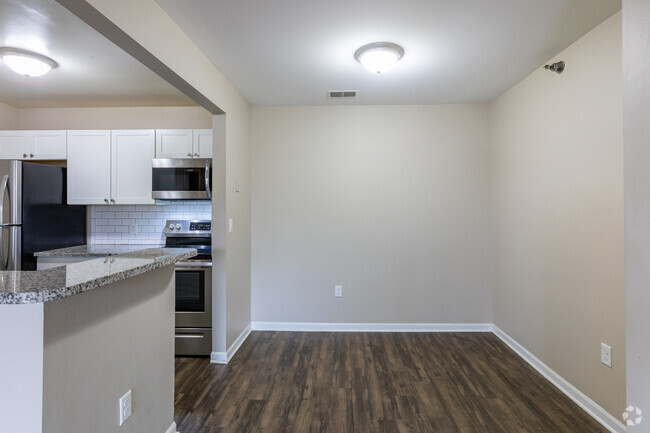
189	265
192	335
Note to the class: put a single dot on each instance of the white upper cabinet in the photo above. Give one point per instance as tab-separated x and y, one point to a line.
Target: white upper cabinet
202	140
174	143
33	145
131	155
183	143
89	167
110	167
13	144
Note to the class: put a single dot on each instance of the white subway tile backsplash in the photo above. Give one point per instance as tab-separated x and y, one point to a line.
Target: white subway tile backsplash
110	224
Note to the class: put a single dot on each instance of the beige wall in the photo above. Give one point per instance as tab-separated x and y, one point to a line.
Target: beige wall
116	118
9	117
148	24
392	202
100	344
557	212
636	105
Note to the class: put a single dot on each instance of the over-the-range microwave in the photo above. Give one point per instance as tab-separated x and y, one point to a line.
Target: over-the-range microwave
182	179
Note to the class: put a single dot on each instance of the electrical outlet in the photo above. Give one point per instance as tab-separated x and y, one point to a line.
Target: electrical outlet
338	291
606	355
125	407
133	228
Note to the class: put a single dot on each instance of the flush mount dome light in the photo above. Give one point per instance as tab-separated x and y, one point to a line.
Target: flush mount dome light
379	57
25	62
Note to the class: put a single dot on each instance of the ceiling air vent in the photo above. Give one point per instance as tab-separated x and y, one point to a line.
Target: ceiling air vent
342	93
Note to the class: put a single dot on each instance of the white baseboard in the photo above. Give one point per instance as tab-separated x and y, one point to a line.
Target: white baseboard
172	428
371	327
225	357
591	407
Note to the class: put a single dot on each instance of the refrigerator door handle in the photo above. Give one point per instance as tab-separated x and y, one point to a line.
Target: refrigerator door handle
4	192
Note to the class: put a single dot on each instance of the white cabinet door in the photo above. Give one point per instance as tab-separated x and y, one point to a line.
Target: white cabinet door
174	143
202	140
132	152
47	145
14	144
89	167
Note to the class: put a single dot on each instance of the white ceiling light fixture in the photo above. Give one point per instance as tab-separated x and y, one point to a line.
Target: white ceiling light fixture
379	57
25	62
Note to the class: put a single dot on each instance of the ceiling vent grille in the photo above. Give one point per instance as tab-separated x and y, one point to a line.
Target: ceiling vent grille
342	93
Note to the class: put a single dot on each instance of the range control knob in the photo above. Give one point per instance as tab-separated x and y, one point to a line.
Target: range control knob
178	226
171	226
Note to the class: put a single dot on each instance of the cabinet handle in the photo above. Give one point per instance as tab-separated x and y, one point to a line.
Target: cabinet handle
197	155
113	200
189	154
24	155
106	200
31	155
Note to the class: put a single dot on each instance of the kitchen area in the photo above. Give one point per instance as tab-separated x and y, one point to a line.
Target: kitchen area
112	190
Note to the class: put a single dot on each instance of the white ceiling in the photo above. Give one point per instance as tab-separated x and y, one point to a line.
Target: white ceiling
291	52
92	70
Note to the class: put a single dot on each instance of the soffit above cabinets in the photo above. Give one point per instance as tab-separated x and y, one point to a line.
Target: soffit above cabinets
292	52
92	72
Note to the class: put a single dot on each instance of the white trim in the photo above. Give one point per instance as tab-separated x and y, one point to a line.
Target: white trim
225	357
591	407
172	428
371	327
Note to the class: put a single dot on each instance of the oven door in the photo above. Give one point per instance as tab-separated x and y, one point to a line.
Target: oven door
181	179
194	294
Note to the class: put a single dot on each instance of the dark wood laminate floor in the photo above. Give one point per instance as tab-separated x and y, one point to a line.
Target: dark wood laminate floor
372	382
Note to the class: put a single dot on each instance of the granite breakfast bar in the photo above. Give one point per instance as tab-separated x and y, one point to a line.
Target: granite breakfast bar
76	338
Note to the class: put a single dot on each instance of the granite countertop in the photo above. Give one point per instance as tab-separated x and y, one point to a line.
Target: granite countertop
93	250
28	287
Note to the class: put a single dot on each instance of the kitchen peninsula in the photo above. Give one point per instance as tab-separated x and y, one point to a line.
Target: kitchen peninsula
76	338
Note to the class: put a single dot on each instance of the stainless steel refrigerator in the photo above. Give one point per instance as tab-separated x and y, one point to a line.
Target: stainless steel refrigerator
35	216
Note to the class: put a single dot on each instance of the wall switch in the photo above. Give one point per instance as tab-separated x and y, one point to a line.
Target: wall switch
125	407
236	186
338	291
606	355
133	229
229	225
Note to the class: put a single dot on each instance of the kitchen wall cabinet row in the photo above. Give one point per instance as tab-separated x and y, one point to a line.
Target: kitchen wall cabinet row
107	166
52	145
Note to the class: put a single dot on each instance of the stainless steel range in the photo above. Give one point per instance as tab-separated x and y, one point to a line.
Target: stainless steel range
193	286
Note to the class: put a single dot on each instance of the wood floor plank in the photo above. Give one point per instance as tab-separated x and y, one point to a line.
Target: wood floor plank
293	382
